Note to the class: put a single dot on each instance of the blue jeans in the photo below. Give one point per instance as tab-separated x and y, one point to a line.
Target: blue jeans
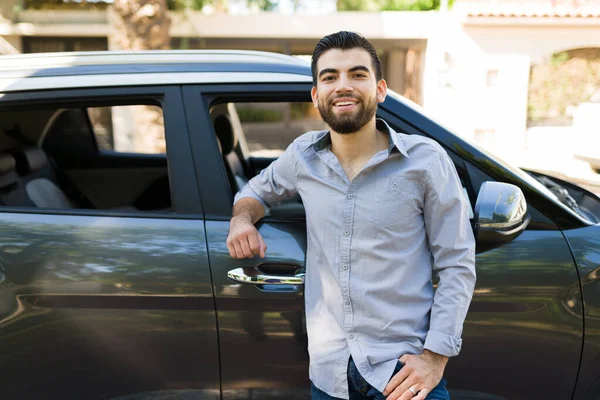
361	390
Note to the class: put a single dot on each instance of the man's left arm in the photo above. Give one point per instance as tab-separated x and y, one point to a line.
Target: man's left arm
452	245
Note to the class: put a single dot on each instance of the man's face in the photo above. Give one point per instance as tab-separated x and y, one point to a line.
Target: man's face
347	90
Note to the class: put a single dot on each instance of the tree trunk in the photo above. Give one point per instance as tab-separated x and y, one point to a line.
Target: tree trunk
143	25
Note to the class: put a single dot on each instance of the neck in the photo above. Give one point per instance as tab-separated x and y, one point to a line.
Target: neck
358	145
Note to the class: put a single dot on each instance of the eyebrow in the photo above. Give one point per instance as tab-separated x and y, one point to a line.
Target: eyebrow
353	69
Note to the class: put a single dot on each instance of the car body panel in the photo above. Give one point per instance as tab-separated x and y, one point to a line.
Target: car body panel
109	304
523	333
263	342
585	244
100	307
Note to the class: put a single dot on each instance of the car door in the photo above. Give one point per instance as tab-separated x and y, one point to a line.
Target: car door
523	334
262	337
526	310
107	304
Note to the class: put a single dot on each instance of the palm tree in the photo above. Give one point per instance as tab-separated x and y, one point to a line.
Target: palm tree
141	25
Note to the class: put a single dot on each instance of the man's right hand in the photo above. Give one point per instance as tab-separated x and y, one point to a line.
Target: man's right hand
244	241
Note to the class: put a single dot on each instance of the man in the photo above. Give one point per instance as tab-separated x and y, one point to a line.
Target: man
384	211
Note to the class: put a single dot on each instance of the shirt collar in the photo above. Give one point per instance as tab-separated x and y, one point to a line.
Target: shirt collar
395	140
323	140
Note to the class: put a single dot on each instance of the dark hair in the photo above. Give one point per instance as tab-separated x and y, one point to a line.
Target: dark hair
345	40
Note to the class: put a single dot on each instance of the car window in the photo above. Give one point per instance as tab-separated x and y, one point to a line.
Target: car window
110	158
119	128
269	128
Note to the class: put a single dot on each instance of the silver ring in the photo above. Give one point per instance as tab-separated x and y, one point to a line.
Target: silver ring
413	391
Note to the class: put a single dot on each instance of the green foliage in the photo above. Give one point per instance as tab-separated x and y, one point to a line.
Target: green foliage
358	5
178	5
559	58
390	5
300	110
247	114
65	4
565	81
186	4
264	5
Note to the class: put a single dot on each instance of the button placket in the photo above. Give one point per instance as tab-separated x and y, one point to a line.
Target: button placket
347	228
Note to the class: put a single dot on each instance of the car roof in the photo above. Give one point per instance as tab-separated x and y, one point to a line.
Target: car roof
39	71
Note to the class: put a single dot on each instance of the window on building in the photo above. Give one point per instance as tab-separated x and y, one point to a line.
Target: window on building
492	78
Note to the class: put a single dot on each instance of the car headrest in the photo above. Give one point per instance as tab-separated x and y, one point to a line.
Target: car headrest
8	173
31	159
225	134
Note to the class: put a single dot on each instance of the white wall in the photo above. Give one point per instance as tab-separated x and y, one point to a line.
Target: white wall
465	102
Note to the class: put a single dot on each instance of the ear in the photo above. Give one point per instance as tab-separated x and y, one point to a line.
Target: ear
381	90
315	96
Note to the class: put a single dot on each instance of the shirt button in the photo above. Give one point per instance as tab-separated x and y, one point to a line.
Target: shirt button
346	232
344	266
347	302
394	184
351	335
350	196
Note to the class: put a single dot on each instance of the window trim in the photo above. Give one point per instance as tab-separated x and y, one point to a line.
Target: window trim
185	198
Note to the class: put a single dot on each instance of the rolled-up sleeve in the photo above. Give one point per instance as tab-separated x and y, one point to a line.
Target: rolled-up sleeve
276	183
452	245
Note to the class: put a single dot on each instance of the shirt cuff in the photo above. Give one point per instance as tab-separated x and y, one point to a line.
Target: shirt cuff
442	343
247	192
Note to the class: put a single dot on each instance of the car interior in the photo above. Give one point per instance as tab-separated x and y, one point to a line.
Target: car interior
50	159
238	166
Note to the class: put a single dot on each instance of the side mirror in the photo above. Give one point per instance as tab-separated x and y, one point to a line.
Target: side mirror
500	215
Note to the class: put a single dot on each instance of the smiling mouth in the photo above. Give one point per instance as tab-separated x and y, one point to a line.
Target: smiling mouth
345	103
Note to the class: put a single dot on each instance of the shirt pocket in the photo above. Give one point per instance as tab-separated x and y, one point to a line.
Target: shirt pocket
394	203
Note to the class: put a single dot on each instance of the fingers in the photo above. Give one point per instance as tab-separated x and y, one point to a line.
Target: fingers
245	245
254	244
231	249
238	253
245	242
396	380
422	395
263	245
407	394
402	392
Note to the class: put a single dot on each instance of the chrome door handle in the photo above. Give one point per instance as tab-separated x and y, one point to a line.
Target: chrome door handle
255	277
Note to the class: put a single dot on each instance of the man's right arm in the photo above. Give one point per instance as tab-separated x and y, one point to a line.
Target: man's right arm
274	184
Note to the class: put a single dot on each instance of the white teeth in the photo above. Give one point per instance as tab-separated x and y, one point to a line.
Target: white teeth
344	103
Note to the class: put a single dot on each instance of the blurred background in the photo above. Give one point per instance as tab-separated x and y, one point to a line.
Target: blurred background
521	78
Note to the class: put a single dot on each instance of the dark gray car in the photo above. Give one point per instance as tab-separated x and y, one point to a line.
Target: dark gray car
115	280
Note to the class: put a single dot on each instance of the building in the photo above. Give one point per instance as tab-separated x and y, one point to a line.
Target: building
468	67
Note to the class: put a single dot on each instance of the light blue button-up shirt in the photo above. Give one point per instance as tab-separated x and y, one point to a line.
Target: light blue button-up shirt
373	246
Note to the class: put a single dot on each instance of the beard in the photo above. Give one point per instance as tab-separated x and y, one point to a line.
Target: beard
347	122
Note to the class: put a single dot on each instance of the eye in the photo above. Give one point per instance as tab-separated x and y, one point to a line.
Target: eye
328	78
360	75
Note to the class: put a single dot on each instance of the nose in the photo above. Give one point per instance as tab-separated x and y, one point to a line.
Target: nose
344	84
